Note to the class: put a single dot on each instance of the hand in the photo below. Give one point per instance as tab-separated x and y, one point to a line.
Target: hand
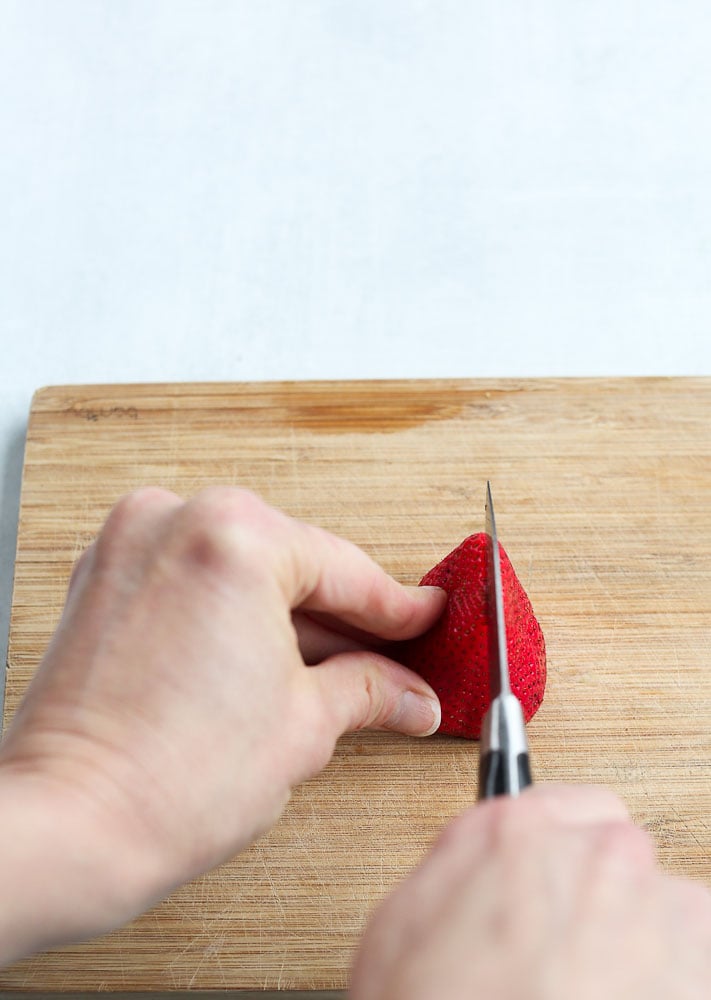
173	712
549	896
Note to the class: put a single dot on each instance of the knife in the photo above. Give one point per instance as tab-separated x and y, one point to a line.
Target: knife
504	767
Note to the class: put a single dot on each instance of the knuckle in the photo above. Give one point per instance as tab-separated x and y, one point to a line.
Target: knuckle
132	505
224	530
385	703
499	823
605	802
379	705
229	502
372	705
122	520
623	844
496	828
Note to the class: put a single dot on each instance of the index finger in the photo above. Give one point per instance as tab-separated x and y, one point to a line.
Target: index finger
563	805
330	575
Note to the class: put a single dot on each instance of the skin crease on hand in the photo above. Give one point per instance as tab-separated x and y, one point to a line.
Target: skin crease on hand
173	711
551	896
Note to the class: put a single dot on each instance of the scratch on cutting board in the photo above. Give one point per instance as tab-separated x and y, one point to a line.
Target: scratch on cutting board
209	946
273	887
122	954
175	961
529	573
464	776
212	951
591	579
299	841
281	971
266	984
685	825
681	820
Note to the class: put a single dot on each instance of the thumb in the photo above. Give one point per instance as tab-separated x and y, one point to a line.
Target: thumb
364	690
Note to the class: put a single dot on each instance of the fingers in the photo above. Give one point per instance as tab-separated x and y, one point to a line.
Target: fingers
231	533
573	805
551	845
130	529
223	528
502	818
507	824
340	580
134	524
318	641
578	804
366	690
351	601
330	575
321	635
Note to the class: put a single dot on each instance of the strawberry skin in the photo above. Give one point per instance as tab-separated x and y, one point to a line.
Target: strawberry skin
453	656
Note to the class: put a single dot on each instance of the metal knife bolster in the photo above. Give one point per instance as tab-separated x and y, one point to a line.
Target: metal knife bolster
504	767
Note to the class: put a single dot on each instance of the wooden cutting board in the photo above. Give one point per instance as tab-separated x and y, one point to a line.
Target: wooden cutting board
603	492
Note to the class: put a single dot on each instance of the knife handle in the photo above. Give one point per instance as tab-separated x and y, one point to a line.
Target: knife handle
504	767
500	774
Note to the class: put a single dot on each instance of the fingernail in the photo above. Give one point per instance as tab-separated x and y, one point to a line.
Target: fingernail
416	715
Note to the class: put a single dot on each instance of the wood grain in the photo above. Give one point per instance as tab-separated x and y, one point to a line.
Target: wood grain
603	492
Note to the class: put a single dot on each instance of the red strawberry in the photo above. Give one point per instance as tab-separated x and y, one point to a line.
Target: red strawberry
453	656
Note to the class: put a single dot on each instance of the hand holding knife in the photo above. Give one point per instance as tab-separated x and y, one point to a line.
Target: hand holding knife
504	767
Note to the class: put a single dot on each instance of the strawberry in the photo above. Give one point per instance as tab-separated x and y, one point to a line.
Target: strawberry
453	656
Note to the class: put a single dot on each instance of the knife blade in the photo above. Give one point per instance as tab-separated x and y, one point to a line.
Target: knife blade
504	767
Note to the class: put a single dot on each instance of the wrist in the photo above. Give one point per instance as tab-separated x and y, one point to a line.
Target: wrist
65	876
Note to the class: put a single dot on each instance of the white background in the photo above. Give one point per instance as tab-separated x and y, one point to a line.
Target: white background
313	189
